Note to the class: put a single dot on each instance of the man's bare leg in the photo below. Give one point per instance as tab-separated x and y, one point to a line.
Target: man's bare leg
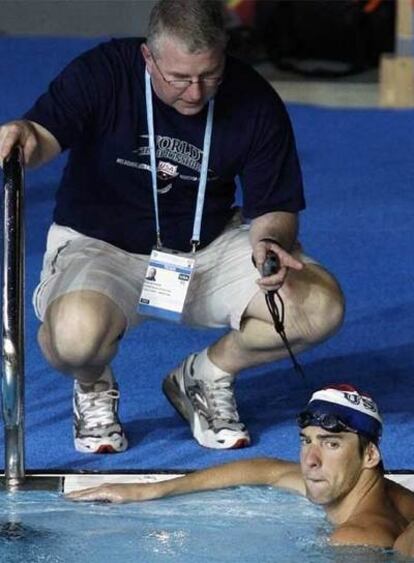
80	336
314	308
201	388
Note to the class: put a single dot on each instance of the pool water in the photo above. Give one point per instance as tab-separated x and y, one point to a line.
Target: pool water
247	524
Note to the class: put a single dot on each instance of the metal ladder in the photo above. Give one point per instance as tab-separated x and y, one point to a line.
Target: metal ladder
13	320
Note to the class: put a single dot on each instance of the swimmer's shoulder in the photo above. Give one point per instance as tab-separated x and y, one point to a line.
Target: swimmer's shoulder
370	529
402	498
404	544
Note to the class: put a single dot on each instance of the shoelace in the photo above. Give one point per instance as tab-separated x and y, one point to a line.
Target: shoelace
220	394
97	408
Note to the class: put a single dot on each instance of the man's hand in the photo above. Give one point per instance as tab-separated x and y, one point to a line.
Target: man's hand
129	492
38	144
275	281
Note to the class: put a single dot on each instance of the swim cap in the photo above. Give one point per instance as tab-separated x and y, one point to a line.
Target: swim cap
344	404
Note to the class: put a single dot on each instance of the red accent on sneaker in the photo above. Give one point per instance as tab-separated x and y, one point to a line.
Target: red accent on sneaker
105	449
241	443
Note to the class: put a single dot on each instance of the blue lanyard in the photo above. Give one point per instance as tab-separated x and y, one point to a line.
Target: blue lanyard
195	239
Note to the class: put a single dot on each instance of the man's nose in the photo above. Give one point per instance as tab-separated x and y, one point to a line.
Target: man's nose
312	456
195	91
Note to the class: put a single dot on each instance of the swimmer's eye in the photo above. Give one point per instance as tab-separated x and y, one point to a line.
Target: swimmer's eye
332	444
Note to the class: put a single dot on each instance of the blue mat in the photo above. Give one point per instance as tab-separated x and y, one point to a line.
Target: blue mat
359	169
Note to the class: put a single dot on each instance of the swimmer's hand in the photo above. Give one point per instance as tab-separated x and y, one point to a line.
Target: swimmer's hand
118	493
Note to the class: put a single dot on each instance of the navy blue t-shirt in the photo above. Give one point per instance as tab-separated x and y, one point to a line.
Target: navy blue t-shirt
96	108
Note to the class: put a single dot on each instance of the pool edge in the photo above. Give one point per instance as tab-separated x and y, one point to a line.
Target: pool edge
66	482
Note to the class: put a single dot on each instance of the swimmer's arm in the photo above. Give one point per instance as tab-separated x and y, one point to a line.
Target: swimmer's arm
247	472
38	144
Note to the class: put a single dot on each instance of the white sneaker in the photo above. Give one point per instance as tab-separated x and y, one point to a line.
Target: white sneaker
96	425
209	407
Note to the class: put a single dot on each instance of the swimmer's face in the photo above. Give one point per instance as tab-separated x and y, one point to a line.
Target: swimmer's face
331	464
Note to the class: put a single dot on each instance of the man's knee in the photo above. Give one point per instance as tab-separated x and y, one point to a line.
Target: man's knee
79	327
321	302
314	309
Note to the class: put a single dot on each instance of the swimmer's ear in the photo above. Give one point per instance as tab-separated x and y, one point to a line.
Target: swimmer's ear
372	456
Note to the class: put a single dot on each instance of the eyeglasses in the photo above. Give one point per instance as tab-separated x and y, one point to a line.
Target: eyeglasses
184	83
329	422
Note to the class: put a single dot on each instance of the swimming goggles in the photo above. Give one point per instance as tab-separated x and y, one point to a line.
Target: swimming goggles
329	422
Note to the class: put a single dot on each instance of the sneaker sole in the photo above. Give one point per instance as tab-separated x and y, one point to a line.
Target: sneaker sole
182	405
101	448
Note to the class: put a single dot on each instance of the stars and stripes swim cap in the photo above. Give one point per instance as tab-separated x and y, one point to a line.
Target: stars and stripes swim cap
341	408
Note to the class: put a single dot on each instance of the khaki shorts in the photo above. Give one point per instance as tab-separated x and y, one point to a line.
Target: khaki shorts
223	284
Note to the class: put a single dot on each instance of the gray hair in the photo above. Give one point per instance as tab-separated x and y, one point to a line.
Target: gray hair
199	25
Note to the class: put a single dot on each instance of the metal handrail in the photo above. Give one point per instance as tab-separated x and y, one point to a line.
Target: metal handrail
13	319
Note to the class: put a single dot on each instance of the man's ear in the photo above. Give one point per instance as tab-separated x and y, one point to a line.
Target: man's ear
146	53
372	456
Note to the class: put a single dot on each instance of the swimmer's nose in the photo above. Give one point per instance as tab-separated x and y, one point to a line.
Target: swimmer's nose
312	457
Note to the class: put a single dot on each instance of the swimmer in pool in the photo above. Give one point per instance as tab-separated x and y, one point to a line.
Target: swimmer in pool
340	469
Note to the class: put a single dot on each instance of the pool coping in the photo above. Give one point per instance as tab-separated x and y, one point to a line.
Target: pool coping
66	482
